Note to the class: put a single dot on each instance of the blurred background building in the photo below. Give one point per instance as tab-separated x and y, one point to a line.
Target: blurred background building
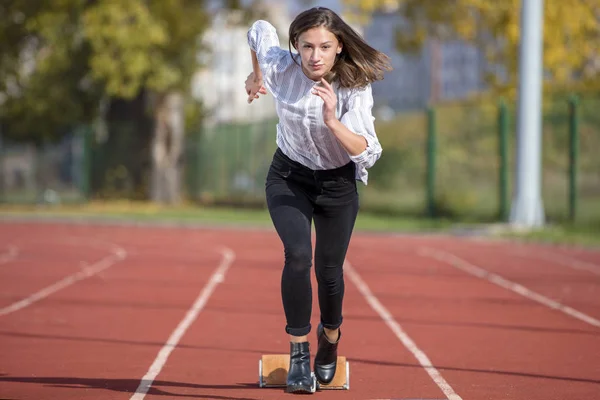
437	72
219	84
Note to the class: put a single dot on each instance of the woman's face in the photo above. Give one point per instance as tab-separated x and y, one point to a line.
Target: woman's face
318	48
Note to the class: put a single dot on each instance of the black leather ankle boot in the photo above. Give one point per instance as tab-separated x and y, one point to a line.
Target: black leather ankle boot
326	358
299	378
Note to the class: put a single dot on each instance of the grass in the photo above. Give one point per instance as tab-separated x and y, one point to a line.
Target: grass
189	214
197	215
566	234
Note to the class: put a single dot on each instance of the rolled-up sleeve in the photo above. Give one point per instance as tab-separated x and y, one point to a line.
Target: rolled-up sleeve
263	39
359	119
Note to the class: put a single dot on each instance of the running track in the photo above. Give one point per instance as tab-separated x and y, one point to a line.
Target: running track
126	312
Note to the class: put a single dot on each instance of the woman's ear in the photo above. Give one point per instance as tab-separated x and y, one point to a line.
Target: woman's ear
339	49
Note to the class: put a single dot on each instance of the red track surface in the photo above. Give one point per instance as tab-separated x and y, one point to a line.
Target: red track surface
108	299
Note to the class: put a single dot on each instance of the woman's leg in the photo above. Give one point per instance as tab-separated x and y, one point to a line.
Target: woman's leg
334	225
291	213
334	222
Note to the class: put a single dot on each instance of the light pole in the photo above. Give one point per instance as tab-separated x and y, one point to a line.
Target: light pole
527	207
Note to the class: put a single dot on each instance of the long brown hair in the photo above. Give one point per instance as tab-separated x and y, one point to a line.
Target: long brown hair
358	64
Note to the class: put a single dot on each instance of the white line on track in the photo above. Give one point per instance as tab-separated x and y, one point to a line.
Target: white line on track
117	254
400	333
11	254
479	272
561	259
525	251
217	277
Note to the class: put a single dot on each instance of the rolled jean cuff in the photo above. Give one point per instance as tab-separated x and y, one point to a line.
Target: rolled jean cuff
331	326
298	331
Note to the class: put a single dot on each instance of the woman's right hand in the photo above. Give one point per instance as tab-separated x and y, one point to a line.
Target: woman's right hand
254	86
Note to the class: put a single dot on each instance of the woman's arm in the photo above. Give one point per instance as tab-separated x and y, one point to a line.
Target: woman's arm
354	144
265	53
255	66
254	82
354	130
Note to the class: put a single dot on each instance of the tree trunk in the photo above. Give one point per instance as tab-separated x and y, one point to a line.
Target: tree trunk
167	146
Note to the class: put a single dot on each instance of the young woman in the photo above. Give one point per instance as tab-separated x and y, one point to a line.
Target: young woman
326	141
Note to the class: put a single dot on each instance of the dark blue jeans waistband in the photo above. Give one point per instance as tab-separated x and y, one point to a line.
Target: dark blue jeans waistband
346	171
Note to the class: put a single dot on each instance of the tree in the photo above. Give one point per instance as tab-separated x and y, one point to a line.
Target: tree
571	32
148	45
61	61
44	79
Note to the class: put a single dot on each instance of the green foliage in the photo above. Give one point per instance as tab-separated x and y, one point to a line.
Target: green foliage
60	58
43	71
139	44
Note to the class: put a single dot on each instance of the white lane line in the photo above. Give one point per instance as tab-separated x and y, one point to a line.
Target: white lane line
217	277
400	333
525	251
474	270
561	259
118	254
11	254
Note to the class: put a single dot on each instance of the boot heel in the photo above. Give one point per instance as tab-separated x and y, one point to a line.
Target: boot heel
299	378
326	358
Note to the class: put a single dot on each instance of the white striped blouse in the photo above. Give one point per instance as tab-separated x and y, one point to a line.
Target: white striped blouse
301	133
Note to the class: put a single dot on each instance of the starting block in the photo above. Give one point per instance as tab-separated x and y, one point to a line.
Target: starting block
273	369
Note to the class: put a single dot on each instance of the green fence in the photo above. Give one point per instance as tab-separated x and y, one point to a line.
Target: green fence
46	173
227	164
453	161
576	124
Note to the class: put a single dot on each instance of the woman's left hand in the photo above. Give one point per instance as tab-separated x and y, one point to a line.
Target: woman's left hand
326	93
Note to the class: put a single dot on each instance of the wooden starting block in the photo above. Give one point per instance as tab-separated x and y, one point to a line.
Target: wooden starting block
273	369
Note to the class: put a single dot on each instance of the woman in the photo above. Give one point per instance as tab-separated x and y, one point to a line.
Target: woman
326	141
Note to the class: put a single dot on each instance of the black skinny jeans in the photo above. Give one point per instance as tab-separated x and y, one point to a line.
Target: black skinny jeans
297	195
